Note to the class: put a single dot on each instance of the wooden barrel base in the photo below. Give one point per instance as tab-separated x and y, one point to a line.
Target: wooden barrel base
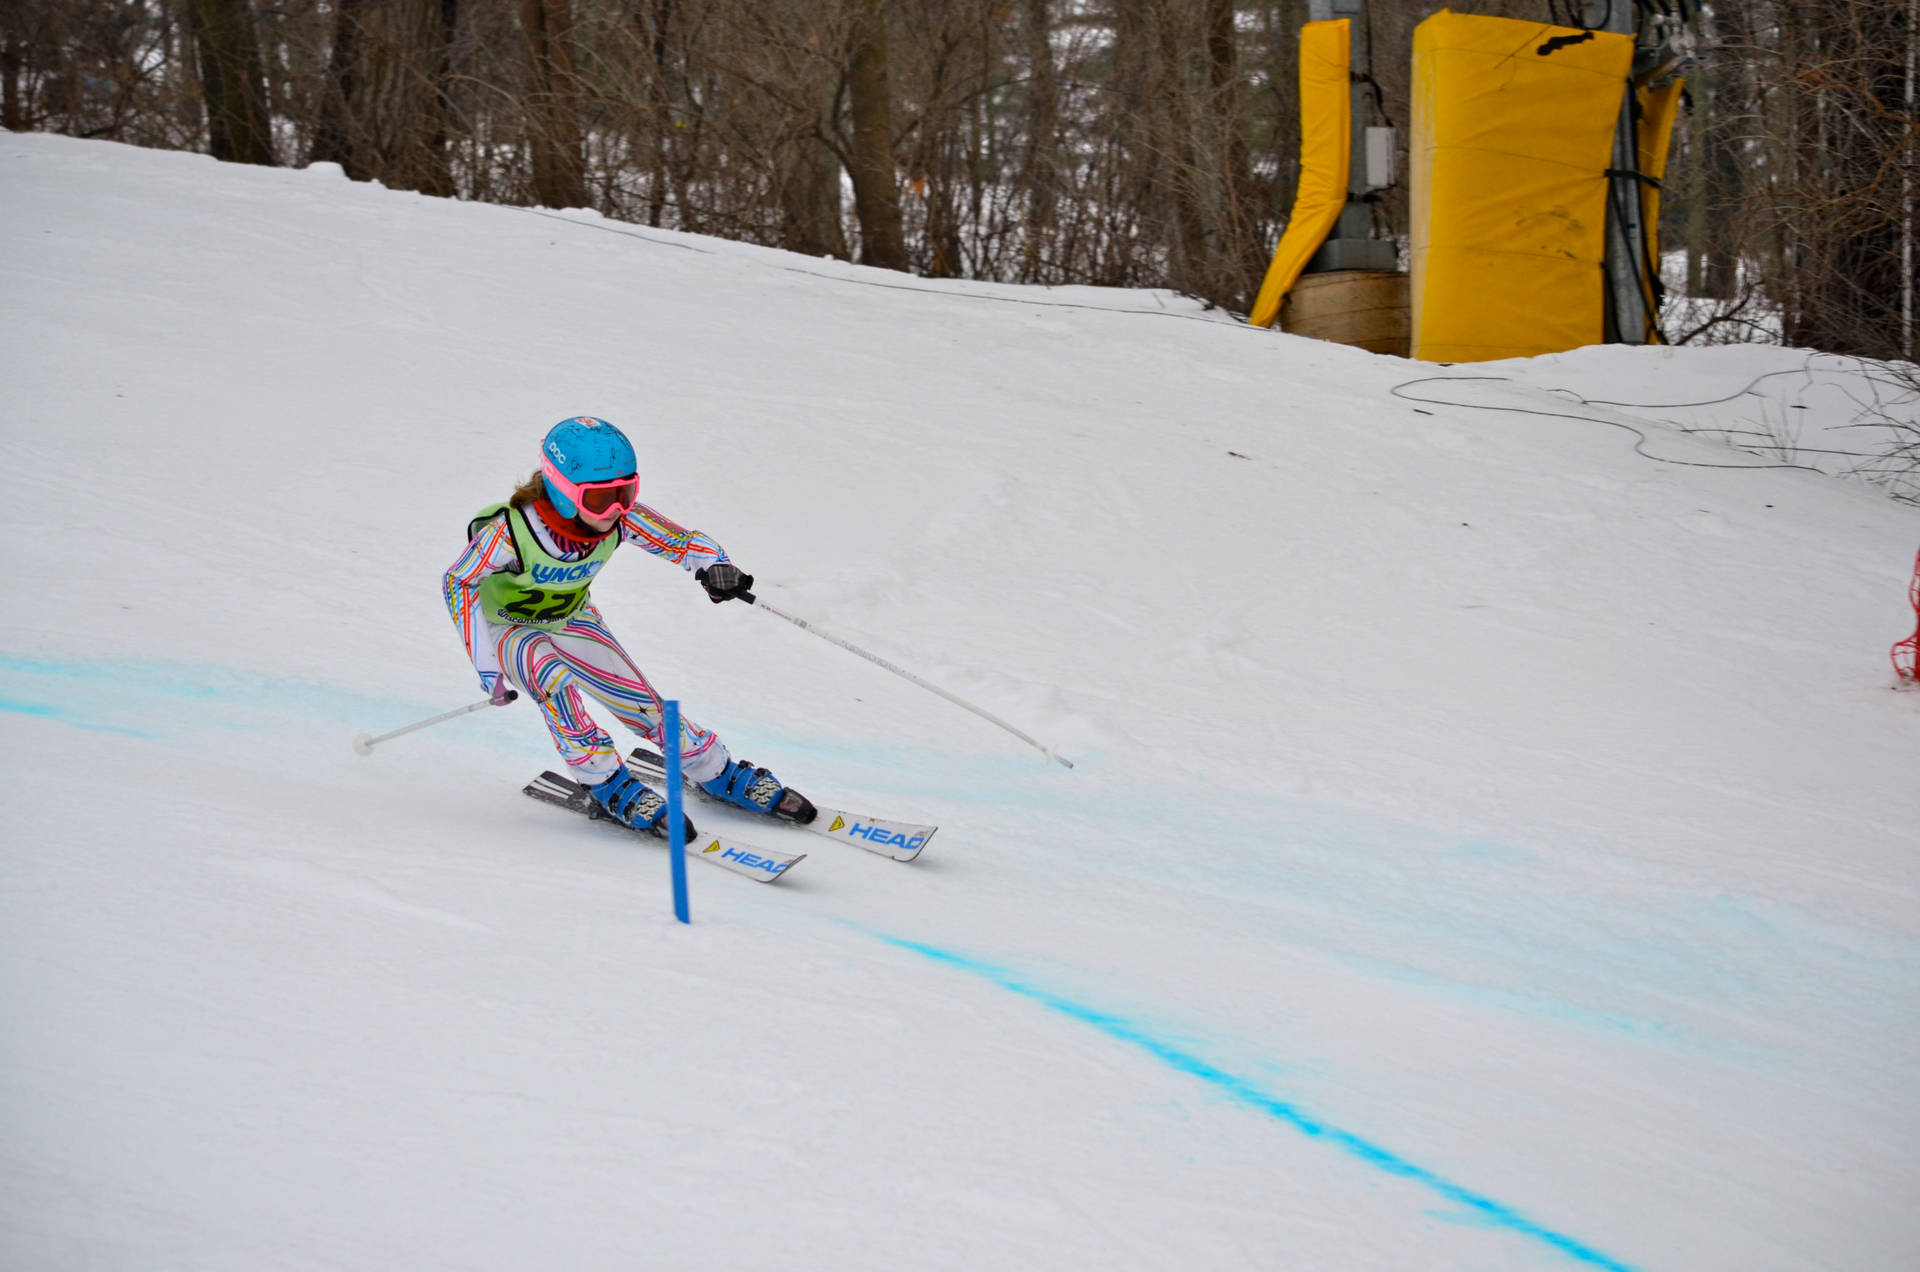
1368	309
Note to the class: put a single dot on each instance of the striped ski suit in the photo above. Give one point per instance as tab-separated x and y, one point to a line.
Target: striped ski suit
554	668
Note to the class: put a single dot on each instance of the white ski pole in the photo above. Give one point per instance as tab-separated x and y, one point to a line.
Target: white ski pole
364	743
904	674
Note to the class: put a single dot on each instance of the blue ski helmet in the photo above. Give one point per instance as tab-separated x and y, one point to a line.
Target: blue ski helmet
583	449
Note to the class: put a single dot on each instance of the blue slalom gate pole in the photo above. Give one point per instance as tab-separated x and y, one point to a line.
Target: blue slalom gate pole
676	825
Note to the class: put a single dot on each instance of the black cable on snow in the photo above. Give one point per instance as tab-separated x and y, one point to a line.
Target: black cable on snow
1641	438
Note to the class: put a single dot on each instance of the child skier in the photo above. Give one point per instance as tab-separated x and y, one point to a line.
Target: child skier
519	599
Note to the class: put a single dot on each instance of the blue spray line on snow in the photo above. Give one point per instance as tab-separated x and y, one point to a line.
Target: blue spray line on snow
48	711
1494	1212
148	690
161	699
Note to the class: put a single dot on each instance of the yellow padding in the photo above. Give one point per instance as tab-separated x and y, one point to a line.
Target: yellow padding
1658	107
1326	151
1513	126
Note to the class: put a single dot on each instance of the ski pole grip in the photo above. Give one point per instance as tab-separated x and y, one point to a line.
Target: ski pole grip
747	597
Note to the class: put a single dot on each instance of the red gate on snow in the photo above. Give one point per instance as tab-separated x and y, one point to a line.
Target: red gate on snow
1906	654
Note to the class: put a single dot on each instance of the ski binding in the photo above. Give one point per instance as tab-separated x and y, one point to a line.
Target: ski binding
902	841
761	864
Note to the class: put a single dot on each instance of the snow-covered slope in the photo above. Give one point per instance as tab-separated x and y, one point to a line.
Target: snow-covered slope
1489	847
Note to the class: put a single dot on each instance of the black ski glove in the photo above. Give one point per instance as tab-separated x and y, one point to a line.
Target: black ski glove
724	582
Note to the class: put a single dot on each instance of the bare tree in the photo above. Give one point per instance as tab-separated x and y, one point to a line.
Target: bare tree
118	69
384	109
876	191
1798	172
13	64
1040	167
333	140
1844	216
552	104
232	80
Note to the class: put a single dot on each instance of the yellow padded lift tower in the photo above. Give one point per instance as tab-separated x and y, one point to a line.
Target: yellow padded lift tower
1512	136
1326	151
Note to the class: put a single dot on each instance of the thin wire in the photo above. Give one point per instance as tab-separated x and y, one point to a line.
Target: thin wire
926	291
608	229
1639	445
1806	368
1021	300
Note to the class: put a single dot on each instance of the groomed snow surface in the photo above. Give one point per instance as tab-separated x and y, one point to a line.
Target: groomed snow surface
1489	848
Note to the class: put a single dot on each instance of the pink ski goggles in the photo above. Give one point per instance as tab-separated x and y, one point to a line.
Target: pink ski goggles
601	498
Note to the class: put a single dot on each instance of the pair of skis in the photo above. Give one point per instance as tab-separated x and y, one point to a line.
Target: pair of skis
902	841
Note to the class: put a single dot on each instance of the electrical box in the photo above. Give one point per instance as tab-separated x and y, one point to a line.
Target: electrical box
1379	158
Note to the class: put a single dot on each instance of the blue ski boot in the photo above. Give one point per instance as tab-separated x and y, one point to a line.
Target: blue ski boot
626	799
758	791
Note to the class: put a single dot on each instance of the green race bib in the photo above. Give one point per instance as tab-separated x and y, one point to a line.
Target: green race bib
547	591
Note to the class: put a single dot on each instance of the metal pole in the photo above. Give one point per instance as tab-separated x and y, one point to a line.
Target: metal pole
364	743
1351	245
1356	221
1627	315
878	661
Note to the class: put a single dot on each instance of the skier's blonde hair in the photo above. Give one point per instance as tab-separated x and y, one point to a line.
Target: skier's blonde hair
534	487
